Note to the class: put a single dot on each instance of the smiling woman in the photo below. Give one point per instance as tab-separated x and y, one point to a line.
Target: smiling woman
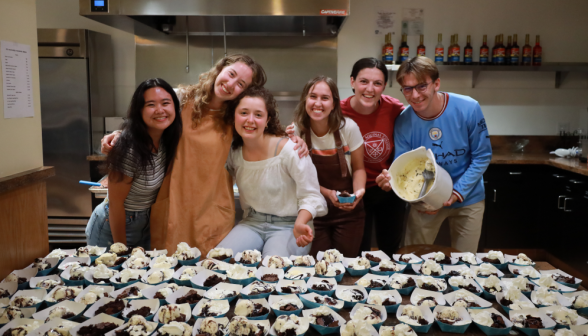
278	190
137	165
375	113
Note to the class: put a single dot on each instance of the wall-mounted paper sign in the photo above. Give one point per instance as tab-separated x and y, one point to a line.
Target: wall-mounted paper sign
413	21
17	80
385	19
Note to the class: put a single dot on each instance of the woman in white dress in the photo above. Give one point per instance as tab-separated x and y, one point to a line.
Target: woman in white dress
278	190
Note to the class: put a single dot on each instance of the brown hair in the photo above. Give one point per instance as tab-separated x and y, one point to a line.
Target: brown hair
420	67
202	92
273	126
336	119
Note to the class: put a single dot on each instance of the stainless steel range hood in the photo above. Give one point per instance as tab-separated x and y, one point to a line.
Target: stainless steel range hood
224	17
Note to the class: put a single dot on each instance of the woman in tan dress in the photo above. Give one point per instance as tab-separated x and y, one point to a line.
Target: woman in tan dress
195	203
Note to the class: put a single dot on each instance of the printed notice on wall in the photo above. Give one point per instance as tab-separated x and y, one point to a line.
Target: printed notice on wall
413	21
384	21
17	80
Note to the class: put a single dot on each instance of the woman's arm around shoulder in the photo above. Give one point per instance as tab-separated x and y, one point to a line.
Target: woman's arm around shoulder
303	172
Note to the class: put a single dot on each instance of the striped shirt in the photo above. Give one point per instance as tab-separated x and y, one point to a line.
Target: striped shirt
145	187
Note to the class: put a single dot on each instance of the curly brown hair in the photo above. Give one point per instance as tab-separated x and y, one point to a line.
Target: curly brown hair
202	92
273	125
336	118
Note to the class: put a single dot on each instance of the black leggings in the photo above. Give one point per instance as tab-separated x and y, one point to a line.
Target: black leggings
386	211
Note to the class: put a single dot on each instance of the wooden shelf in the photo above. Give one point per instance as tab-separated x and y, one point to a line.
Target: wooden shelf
561	69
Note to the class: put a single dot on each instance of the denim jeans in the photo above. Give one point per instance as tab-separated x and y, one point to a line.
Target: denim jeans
272	235
137	228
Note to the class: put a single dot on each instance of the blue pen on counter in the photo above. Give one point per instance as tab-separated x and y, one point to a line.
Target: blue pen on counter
90	183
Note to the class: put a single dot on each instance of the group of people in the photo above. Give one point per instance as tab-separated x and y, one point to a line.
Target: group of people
172	167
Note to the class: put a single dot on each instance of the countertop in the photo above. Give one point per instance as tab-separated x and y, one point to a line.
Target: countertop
500	157
28	177
573	165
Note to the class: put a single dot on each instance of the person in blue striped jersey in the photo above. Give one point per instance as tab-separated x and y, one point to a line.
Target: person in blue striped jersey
137	164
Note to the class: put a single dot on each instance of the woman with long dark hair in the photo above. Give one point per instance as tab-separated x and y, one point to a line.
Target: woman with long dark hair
137	165
278	190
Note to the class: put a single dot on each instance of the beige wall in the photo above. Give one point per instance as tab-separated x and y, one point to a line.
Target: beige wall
513	102
21	144
65	14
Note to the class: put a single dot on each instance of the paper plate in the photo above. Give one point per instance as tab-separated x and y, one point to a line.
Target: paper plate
351	304
427	315
95	320
246	292
321	329
74	307
419	294
91	312
354	272
489	331
465	322
263	302
389	308
198	309
382	309
548	323
153	305
370	277
277	298
314	280
309	302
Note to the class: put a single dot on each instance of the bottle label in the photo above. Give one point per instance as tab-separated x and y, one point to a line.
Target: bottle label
527	53
388	59
421	52
467	55
514	55
500	55
484	55
537	57
439	54
403	54
389	51
456	55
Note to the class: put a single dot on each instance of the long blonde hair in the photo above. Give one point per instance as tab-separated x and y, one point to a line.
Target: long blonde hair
202	92
301	117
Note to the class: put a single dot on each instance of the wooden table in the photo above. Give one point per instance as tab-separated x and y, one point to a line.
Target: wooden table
392	320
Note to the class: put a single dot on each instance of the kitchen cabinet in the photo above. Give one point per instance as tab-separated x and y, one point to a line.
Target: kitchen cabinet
514	196
534	206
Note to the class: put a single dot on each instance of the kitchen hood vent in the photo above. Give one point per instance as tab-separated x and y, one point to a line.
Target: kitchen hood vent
224	17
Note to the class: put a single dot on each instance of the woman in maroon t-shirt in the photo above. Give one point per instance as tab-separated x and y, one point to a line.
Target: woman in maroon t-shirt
375	114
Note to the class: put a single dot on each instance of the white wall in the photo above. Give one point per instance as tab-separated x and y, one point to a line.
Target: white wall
513	102
65	14
22	146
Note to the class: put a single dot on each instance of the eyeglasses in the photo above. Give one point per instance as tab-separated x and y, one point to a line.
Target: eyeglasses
407	90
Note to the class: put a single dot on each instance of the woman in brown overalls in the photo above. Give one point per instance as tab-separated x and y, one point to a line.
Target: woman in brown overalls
336	147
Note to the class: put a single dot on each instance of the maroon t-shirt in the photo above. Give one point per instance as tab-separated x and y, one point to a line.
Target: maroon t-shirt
377	129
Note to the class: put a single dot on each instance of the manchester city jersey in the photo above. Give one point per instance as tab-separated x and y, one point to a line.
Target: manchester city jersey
458	137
